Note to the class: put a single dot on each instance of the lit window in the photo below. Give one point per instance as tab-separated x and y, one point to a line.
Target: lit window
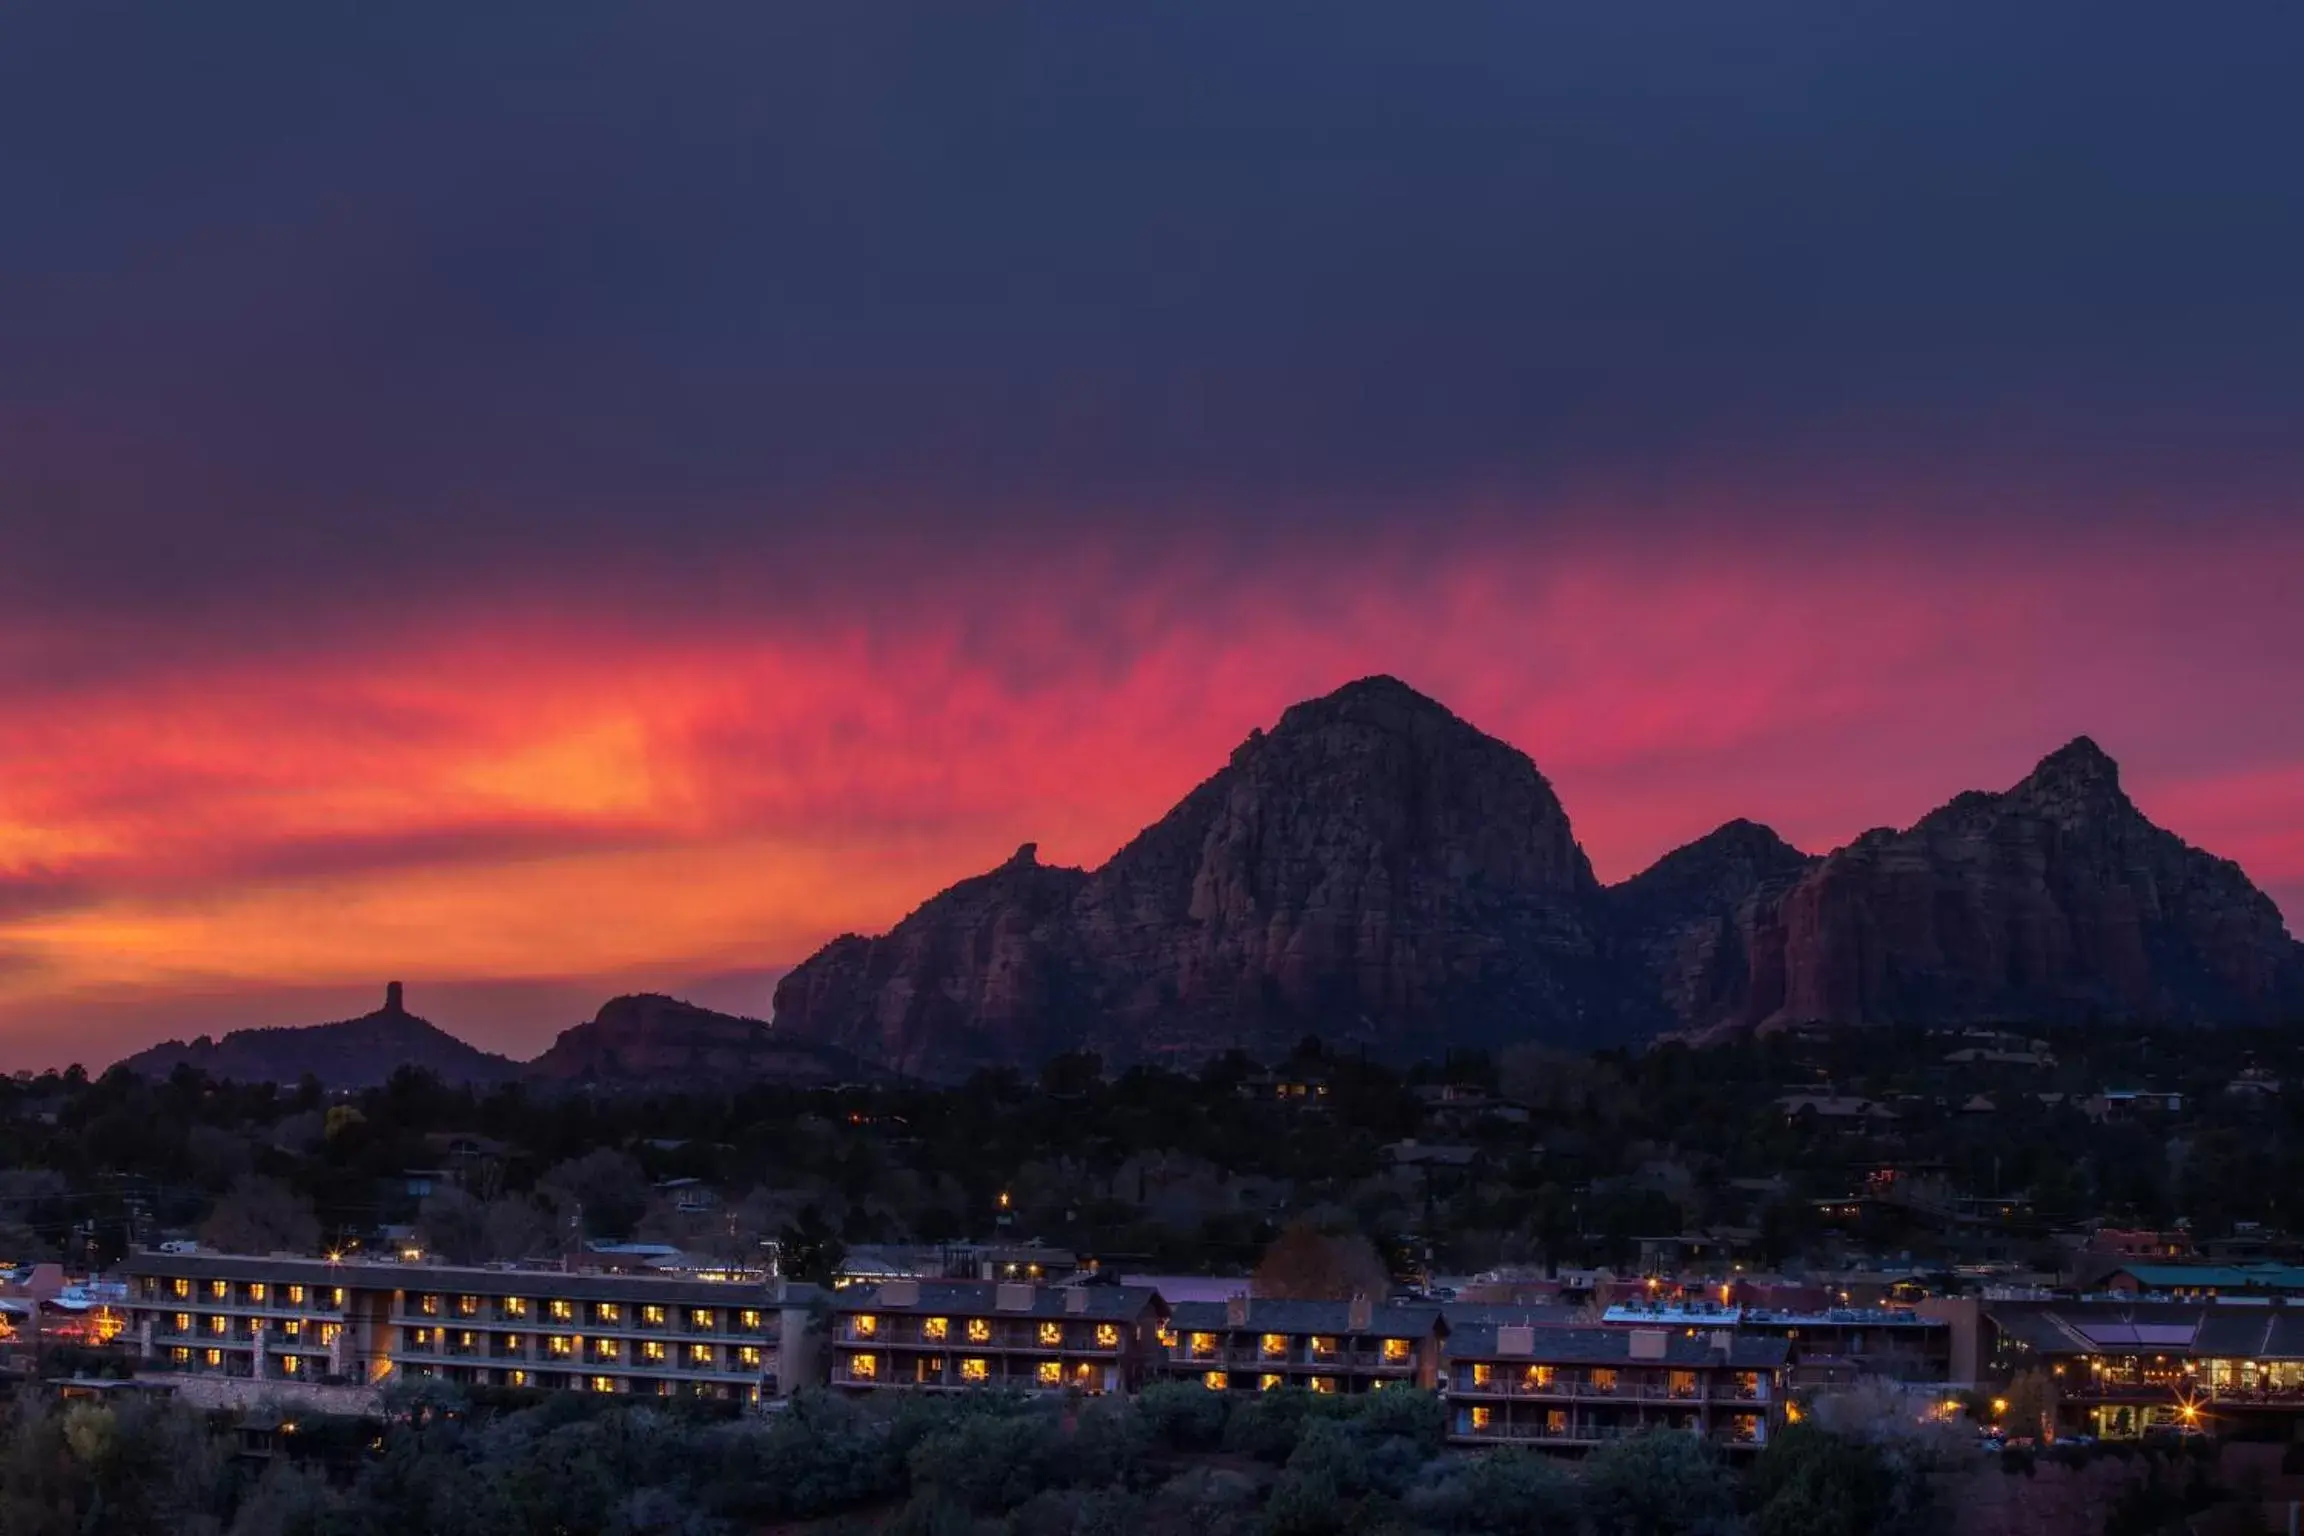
1324	1384
603	1383
1481	1373
295	1295
864	1367
975	1368
256	1294
217	1324
1603	1379
180	1355
559	1345
1051	1373
511	1344
652	1315
428	1305
607	1312
329	1331
1322	1346
652	1352
515	1306
293	1328
750	1320
213	1356
936	1329
560	1311
1204	1344
604	1349
336	1296
1275	1345
1395	1351
218	1289
700	1356
180	1288
516	1378
1051	1334
701	1319
290	1365
419	1338
1166	1335
1215	1381
749	1357
867	1326
467	1306
1268	1383
979	1330
1482	1417
183	1322
1108	1335
1540	1375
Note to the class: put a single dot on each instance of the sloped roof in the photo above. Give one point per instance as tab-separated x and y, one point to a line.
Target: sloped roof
970	1298
1613	1346
1267	1314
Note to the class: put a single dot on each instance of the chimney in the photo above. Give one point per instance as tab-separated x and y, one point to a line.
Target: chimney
1076	1299
1360	1314
1236	1312
392	998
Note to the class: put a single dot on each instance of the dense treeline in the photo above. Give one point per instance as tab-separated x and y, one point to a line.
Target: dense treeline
1178	1459
1174	1170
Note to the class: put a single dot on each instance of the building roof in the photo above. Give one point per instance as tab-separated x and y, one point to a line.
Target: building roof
1615	1346
1272	1314
1460	1314
972	1298
2223	1277
548	1283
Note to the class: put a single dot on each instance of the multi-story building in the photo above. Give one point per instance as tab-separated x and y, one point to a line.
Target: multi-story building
954	1335
285	1319
1574	1388
1258	1344
2125	1369
1832	1345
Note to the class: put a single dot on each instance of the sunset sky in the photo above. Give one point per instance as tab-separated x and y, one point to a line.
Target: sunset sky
540	500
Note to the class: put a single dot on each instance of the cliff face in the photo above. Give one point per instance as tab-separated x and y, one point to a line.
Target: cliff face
1374	869
2054	900
650	1039
351	1053
1377	871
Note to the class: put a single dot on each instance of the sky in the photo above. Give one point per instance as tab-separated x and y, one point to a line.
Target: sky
543	500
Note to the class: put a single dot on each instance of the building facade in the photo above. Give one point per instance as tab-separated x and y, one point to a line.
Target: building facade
1575	1388
957	1335
287	1319
1259	1344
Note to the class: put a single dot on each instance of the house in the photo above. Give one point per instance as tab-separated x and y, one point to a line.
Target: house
689	1197
2193	1282
1574	1388
289	1320
954	1335
1259	1343
2125	1370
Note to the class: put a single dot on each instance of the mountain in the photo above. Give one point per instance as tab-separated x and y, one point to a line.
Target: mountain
352	1053
649	1040
1379	872
1373	868
2056	900
1702	925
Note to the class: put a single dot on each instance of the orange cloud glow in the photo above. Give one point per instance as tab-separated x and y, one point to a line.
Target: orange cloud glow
578	795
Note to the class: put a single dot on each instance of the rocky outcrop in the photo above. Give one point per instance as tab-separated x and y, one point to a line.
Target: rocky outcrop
2057	900
1703	925
1379	872
352	1053
649	1040
1373	868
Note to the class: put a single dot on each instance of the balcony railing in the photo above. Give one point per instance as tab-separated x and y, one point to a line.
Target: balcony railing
1502	1385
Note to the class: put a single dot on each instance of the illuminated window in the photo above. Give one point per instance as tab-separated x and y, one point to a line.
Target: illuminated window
515	1306
1166	1335
467	1306
180	1288
1203	1344
867	1326
183	1322
511	1344
256	1294
1108	1335
1395	1351
1051	1373
652	1352
295	1295
700	1356
700	1319
936	1329
863	1367
1322	1346
1215	1381
419	1338
603	1383
560	1311
329	1331
1324	1384
1603	1378
652	1315
749	1320
218	1289
605	1349
1051	1334
559	1345
749	1357
975	1368
217	1324
1275	1345
213	1356
516	1378
1540	1375
607	1312
979	1330
1480	1374
1483	1417
180	1355
336	1296
293	1328
290	1365
1268	1383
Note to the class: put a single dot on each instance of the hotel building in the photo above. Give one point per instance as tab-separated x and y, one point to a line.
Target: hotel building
954	1335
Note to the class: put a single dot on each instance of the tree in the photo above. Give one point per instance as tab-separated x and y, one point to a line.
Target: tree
606	1186
809	1249
1662	1483
1307	1263
2031	1400
260	1215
